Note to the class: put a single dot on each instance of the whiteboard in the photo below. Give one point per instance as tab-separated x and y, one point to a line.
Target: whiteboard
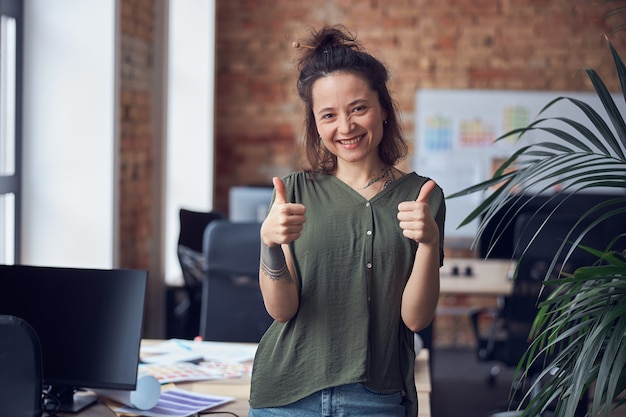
455	132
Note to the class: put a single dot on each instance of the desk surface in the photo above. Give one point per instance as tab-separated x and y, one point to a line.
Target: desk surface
471	276
239	388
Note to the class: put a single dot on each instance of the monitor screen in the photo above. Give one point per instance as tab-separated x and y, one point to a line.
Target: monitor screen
500	240
249	203
89	323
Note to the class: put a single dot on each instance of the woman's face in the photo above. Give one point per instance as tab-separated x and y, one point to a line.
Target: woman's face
348	116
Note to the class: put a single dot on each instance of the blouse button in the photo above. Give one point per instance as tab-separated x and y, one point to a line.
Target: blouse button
369	265
369	232
367	204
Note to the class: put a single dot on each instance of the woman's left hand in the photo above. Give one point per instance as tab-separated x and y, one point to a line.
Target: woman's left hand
416	220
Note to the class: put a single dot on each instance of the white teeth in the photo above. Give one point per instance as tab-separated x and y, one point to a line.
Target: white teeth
350	141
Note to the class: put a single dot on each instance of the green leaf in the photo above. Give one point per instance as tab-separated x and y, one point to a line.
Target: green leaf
578	337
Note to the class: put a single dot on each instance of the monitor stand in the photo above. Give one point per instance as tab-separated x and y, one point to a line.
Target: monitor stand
69	399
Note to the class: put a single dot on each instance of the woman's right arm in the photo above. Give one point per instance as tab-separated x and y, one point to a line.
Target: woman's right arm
277	277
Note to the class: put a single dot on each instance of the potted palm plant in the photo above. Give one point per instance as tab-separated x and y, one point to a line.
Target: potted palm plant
581	326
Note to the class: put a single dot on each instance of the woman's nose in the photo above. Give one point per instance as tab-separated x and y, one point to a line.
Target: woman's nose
345	124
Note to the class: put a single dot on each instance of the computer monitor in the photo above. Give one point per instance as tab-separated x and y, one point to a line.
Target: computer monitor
249	203
500	240
89	323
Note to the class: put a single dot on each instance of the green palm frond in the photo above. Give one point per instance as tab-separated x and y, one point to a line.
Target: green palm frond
615	11
579	333
582	325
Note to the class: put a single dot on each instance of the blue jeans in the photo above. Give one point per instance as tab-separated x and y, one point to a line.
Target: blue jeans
353	400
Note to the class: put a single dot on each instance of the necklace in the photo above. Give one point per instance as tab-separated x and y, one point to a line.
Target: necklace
386	172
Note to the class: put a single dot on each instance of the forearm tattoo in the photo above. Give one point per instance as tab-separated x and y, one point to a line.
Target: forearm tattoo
273	263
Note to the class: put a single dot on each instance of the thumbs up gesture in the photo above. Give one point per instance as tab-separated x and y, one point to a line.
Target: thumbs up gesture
284	221
416	220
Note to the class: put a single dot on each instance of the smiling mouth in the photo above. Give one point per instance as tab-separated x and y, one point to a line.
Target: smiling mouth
351	141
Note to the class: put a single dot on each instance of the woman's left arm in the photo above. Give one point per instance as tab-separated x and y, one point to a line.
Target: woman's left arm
421	293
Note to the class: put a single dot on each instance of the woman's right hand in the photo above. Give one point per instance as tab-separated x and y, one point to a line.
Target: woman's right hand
282	225
285	221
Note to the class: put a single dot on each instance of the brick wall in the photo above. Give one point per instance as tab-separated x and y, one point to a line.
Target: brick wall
136	137
482	44
139	204
459	44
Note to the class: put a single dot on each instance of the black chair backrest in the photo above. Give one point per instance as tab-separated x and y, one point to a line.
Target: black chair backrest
190	241
193	265
232	305
20	369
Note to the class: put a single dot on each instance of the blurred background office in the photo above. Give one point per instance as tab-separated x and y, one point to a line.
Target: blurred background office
129	110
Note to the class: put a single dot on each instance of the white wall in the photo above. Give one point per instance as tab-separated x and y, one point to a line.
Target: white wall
69	133
69	215
190	118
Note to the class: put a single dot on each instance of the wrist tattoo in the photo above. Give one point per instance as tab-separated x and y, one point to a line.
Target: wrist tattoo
273	263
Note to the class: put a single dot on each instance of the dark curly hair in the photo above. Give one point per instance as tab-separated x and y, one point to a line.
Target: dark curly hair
335	49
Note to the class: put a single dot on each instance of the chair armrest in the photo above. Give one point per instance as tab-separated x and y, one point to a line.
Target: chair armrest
476	314
485	342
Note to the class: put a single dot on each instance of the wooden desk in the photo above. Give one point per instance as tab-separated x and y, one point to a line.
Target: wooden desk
239	388
468	284
468	276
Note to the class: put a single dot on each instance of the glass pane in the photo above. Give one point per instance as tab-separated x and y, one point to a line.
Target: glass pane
7	95
7	229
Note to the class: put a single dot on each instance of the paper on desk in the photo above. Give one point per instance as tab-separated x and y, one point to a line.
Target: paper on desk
180	350
177	372
184	371
177	402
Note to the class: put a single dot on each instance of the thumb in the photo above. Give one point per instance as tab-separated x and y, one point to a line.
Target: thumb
281	194
425	191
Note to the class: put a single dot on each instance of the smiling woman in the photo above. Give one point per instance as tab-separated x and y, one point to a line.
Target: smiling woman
350	121
351	250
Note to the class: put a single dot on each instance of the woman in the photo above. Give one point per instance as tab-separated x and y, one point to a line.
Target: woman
351	250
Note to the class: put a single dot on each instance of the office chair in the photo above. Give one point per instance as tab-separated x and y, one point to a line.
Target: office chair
20	369
193	266
232	306
508	338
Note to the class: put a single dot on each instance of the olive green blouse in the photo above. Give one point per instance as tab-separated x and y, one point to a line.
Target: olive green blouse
352	263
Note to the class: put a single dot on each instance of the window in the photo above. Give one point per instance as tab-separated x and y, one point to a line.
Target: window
10	113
